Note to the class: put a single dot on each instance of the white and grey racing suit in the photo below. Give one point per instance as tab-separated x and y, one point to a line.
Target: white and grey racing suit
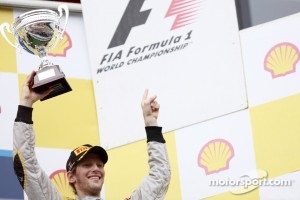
38	186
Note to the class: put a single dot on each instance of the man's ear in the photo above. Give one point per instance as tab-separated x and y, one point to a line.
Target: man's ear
71	177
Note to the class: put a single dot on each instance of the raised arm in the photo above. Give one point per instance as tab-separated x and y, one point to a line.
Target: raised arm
32	178
155	185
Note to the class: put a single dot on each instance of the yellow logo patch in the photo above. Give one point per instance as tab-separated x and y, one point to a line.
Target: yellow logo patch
81	149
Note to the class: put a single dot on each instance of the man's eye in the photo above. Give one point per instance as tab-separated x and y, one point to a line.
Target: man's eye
100	165
87	164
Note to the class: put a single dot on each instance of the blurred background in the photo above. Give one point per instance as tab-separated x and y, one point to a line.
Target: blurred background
249	12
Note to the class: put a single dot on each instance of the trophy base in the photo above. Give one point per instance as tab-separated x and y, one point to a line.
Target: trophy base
51	77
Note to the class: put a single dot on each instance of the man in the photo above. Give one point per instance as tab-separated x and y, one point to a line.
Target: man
85	166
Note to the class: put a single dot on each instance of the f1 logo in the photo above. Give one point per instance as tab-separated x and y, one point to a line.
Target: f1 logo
184	10
132	17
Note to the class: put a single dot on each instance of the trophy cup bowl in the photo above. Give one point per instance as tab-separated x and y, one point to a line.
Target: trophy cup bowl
37	32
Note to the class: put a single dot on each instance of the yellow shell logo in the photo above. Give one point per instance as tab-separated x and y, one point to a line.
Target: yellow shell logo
62	46
282	59
60	181
215	156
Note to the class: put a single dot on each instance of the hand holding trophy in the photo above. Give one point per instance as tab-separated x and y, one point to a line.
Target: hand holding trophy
37	32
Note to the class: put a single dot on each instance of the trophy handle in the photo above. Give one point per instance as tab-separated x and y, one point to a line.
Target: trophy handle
2	27
65	8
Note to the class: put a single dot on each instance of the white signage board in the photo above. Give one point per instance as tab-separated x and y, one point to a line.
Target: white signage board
9	101
216	150
186	52
271	58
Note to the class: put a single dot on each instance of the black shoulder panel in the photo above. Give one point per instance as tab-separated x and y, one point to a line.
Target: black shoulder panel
19	170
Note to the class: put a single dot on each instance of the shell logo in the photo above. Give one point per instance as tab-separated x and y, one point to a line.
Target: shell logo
215	156
62	46
282	59
60	181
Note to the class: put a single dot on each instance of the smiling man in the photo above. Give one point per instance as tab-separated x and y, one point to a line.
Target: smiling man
85	166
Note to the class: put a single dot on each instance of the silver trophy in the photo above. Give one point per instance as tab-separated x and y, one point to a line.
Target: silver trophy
37	32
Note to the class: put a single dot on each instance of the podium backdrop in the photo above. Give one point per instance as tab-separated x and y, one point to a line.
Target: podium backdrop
229	99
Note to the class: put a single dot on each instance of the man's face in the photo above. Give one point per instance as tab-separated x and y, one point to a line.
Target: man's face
89	176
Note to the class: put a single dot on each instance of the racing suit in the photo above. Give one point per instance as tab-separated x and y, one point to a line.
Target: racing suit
37	185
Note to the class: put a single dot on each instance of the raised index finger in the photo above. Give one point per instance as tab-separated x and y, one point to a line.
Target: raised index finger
145	94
